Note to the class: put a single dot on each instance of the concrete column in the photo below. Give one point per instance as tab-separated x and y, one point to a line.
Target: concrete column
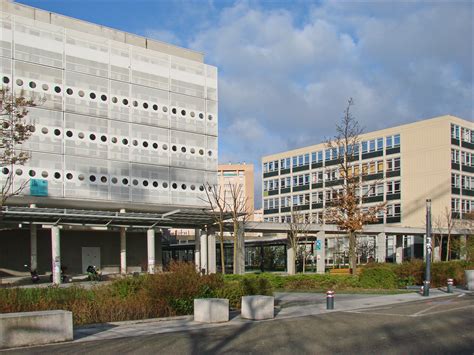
211	240
412	247
436	252
381	247
241	249
197	249
290	260
462	247
159	251
56	255
399	249
123	250
204	253
150	241
320	251
33	247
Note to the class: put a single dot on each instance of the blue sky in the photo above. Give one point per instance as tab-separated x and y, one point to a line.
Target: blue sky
287	68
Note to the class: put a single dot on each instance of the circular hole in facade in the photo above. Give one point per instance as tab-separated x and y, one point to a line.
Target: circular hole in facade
174	148
165	109
183	149
44	174
92	95
183	186
103	138
145	105
201	188
125	141
209	153
209	117
125	101
103	179
69	176
81	177
69	134
57	89
32	173
57	132
114	100
32	129
155	107
114	180
81	93
193	150
155	145
173	111
69	91
19	171
165	147
80	135
57	175
92	137
135	142
92	178
6	79
174	185
145	144
44	130
165	185
135	103
19	82
45	87
114	139
183	113
201	152
192	187
145	183
192	114
5	171
103	97
201	115
125	181
32	84
155	183
135	182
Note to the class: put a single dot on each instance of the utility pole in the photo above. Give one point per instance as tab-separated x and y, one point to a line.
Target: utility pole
426	283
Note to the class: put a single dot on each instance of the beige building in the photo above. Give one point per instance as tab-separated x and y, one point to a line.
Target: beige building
401	166
238	174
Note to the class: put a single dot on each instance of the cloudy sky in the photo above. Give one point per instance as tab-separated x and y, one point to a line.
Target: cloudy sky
287	68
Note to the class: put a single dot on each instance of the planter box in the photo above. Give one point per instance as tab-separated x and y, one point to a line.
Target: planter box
211	310
469	279
34	328
258	307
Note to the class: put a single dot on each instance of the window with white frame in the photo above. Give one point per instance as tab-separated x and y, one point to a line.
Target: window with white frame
467	182
317	197
300	180
466	206
372	190
393	210
372	145
455	156
285	163
392	141
317	157
393	187
285	201
285	182
317	177
455	180
332	174
455	131
466	158
372	167
299	200
466	135
393	164
455	204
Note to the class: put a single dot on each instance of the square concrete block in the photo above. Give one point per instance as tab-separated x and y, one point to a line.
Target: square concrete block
258	307
34	328
211	310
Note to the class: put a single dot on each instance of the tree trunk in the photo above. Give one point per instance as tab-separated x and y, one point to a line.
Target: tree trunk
448	248
352	253
295	254
236	237
304	258
221	233
440	252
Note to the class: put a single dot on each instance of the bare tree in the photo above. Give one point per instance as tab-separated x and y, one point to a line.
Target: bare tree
216	198
15	130
237	205
346	210
298	227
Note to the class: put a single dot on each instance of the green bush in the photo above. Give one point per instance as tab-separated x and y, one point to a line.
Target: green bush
382	277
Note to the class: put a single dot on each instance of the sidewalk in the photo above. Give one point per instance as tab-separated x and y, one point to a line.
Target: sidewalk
292	305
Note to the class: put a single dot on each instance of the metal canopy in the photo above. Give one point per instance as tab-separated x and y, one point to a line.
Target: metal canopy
178	218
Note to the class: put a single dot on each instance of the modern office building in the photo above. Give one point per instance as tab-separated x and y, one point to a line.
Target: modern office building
128	124
401	166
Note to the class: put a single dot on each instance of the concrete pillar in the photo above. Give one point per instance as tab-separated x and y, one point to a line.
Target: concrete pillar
320	251
33	247
197	249
290	260
159	251
399	249
123	250
204	252
381	247
463	247
436	250
211	240
56	255
241	249
412	247
150	241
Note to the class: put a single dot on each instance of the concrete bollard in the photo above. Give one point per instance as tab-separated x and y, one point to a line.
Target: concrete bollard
330	300
450	285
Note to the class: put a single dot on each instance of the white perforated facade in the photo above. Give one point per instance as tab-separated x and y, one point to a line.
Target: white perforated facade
122	122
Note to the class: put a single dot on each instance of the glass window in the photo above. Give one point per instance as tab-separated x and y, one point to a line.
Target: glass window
364	147
306	159
313	157
379	143
372	145
320	156
389	141
295	161
396	140
328	155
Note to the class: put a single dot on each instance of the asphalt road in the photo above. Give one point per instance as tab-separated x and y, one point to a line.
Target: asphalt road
433	326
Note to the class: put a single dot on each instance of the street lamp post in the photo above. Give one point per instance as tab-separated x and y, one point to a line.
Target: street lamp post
426	283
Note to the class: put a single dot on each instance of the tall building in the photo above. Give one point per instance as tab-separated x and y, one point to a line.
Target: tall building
238	175
432	158
128	124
